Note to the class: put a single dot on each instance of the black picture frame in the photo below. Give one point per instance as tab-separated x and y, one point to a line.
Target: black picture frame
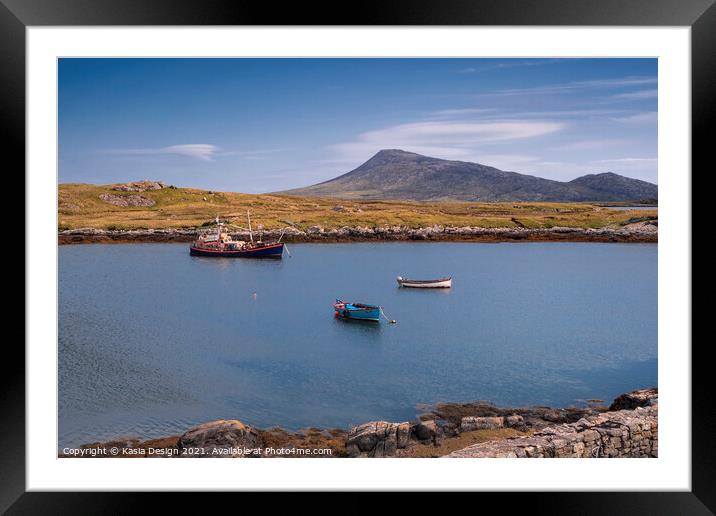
700	15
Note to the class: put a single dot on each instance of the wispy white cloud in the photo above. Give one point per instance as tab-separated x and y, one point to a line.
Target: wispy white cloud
636	95
510	162
575	85
591	144
510	63
252	153
566	113
452	139
626	160
462	112
650	117
200	151
507	114
460	132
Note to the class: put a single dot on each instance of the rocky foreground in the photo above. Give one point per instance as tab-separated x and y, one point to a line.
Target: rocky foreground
624	433
637	231
627	428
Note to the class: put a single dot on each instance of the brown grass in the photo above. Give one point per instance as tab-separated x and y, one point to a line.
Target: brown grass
310	438
79	206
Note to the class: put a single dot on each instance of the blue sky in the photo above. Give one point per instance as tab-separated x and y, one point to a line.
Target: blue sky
260	125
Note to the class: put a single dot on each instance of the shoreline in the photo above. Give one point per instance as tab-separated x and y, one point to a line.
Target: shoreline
628	427
640	231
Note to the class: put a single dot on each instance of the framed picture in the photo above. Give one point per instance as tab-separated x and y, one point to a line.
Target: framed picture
420	243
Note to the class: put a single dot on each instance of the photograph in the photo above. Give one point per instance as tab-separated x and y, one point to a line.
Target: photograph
357	257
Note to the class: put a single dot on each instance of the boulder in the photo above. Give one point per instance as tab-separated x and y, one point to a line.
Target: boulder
126	200
377	439
403	435
471	423
514	421
552	415
223	438
447	428
634	399
314	230
140	186
428	432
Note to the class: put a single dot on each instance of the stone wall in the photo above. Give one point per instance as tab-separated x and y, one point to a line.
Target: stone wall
637	232
622	433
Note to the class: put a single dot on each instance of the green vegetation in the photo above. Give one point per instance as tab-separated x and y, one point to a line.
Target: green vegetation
81	207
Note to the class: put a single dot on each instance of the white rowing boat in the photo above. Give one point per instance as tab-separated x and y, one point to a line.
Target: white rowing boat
436	283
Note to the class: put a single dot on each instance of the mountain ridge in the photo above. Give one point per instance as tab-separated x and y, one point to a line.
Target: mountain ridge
397	174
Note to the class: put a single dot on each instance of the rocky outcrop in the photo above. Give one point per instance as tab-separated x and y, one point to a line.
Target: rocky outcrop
634	399
139	186
643	226
515	421
126	200
428	432
485	414
623	433
469	424
577	432
592	431
638	232
377	439
224	438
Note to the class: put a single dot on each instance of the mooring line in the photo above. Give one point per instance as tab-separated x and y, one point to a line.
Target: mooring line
391	321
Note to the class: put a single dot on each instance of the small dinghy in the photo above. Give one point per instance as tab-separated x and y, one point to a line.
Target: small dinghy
436	283
358	311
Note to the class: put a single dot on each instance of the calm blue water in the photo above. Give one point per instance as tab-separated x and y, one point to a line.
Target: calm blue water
152	340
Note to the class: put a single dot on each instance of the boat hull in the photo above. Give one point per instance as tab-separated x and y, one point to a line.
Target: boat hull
441	283
365	313
269	251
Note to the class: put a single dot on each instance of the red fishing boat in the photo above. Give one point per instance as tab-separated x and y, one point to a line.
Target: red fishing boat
217	243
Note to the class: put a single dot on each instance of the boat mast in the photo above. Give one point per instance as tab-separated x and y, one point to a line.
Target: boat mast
251	235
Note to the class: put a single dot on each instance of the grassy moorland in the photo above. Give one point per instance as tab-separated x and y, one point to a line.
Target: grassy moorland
80	206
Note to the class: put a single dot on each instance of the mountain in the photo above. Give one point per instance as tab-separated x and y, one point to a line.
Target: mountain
396	174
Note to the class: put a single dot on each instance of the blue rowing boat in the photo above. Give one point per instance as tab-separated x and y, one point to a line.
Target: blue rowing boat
357	311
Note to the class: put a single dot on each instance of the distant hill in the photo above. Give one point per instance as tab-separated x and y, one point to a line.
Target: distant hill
396	174
612	185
